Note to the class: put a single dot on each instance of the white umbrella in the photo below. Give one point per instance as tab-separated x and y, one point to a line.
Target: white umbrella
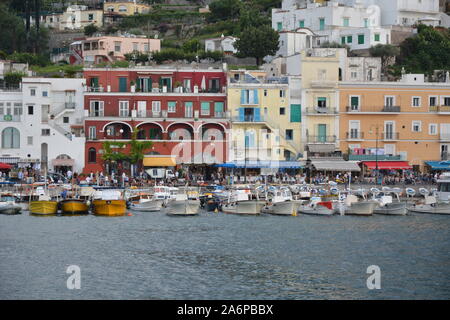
203	85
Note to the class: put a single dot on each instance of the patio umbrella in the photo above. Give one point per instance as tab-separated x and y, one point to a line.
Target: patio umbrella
203	85
4	166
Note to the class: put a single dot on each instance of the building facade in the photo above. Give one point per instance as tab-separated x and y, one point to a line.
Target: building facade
126	8
182	111
41	124
411	117
223	44
265	126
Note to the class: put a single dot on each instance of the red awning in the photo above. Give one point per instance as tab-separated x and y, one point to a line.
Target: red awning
4	166
387	165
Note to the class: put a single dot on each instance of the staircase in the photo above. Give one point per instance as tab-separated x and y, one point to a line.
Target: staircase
274	127
65	107
77	56
60	129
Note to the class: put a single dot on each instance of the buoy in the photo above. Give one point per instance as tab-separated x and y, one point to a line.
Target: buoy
129	214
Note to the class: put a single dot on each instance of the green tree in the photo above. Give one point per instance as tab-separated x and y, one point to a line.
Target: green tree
12	35
137	150
224	10
386	52
192	45
258	43
13	79
90	29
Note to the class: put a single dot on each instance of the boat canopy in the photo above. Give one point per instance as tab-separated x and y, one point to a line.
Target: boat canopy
387	165
263	164
439	165
335	165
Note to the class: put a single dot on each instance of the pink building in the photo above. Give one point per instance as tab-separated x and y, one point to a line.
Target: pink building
110	48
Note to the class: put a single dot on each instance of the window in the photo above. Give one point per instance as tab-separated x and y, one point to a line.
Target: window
65	119
322	24
45	132
146	47
433	101
360	39
171	107
96	109
249	96
282	111
366	23
322	102
219	109
44	93
122	9
349	39
10	138
117	46
346	22
91	17
389	101
416	101
279	26
144	84
32	92
354	103
156	106
92	133
282	93
342	40
123	109
205	109
446	101
135	46
301	23
187	85
354	75
265	92
432	129
416	126
30	140
289	134
30	110
92	155
377	37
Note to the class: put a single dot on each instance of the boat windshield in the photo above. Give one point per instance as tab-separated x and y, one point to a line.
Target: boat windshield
444	186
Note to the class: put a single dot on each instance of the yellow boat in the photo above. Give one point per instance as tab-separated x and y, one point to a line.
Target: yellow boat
110	208
74	206
43	207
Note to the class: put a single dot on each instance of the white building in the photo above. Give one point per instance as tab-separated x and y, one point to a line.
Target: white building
292	42
42	124
357	26
223	44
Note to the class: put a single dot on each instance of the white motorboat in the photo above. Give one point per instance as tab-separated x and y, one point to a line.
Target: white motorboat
241	202
184	206
443	188
147	204
316	207
8	205
356	207
386	204
281	203
430	206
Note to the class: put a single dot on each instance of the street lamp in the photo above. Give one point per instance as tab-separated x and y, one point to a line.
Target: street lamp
376	150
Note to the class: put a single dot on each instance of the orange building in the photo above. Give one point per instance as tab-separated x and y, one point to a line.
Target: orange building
412	118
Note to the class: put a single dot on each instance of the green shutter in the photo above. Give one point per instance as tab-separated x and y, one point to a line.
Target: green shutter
343	40
302	24
377	37
218	108
322	24
279	26
349	39
361	39
149	84
355	101
296	113
205	108
123	84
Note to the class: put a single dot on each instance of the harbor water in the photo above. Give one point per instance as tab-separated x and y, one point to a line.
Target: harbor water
219	256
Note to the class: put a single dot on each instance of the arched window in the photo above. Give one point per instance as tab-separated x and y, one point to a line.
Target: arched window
92	155
10	138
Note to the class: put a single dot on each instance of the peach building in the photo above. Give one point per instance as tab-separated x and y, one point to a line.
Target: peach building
111	48
411	117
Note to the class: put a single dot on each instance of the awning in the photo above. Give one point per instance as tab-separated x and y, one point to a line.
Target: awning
439	165
336	165
263	164
9	160
321	148
387	165
63	162
4	166
159	161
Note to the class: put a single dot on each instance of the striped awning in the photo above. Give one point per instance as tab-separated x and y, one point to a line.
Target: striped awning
336	165
9	160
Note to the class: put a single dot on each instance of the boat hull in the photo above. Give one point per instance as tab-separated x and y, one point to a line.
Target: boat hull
316	210
74	207
430	209
148	206
392	209
285	208
110	208
251	207
10	209
184	208
360	209
43	207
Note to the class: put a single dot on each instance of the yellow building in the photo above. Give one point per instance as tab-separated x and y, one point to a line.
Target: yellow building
412	118
320	75
264	125
126	8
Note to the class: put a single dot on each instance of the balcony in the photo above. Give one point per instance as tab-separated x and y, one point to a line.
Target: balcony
69	105
372	109
249	118
445	156
391	109
439	109
390	136
372	157
10	118
444	137
323	84
355	135
321	111
321	139
178	90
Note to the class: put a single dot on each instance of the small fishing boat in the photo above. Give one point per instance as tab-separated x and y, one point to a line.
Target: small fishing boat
8	205
281	203
183	205
241	202
386	204
353	206
109	203
74	206
43	206
317	207
147	203
430	206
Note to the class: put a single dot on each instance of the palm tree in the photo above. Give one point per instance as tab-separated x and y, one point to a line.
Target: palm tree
137	149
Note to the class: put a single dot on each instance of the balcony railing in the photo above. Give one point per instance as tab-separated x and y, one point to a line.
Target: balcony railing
249	118
323	84
177	90
445	137
10	118
372	109
390	136
445	156
321	139
69	105
439	109
355	135
321	110
372	157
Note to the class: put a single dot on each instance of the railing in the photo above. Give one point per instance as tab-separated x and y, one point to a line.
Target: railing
10	89
249	118
10	118
70	105
372	109
355	135
321	139
391	109
321	110
445	137
439	109
445	156
390	135
323	84
177	90
372	157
